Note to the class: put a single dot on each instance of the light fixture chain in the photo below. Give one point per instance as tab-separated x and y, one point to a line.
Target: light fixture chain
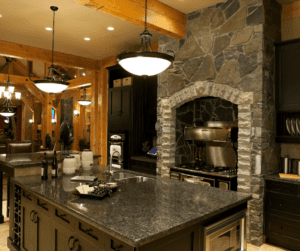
8	73
53	36
146	15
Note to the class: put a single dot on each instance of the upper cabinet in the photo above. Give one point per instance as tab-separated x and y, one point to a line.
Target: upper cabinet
287	91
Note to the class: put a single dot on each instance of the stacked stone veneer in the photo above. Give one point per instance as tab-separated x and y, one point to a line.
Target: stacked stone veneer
197	112
227	53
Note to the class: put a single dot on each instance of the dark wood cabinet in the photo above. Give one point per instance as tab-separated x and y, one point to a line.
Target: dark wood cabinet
287	89
282	215
119	108
132	109
144	165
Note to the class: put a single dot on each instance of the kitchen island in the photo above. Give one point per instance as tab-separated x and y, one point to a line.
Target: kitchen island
25	164
158	214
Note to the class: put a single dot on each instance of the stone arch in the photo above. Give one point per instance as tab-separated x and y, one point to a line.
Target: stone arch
166	126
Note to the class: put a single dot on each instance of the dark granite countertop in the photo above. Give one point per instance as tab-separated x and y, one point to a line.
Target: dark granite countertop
276	177
138	213
143	158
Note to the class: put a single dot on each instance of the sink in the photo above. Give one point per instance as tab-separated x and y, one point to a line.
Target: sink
122	176
137	179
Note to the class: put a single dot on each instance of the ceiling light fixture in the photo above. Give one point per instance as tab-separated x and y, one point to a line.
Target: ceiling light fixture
145	63
110	28
84	101
51	84
8	91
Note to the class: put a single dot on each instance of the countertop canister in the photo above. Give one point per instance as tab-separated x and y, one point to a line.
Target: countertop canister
87	155
69	166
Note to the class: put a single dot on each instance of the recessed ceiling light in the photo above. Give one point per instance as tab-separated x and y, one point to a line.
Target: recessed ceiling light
110	28
83	74
48	28
87	38
0	15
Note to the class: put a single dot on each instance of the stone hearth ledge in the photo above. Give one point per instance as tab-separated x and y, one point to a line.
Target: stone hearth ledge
137	213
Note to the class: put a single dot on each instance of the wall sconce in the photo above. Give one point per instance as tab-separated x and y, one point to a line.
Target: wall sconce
53	121
76	113
31	121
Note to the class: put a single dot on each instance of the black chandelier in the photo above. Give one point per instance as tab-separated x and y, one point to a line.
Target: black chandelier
8	91
51	84
145	63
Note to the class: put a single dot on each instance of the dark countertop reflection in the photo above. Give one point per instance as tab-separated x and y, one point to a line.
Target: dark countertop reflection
137	213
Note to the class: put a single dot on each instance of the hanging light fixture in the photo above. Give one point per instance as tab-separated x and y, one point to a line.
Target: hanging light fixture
84	101
8	91
145	63
51	84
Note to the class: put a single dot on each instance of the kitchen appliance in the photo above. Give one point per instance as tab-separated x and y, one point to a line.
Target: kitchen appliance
226	234
117	144
198	180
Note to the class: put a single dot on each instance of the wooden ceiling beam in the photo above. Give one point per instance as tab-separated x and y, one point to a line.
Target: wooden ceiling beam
25	101
14	79
36	92
160	17
45	56
78	82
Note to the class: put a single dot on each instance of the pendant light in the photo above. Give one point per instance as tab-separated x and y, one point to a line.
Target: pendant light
51	84
84	101
145	63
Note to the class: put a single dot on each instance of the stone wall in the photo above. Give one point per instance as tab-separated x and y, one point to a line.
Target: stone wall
197	112
227	53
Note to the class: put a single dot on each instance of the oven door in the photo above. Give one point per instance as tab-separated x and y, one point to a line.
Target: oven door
227	234
198	180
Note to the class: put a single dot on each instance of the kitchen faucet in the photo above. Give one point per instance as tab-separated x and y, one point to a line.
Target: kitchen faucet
110	172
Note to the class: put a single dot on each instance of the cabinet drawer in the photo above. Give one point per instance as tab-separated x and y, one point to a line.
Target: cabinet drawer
89	233
27	197
112	243
282	187
43	206
61	216
282	226
282	204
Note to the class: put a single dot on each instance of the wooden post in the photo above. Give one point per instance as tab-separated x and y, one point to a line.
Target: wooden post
77	121
57	126
35	119
46	119
23	122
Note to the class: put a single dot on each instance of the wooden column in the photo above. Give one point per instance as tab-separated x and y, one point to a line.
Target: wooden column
95	130
77	121
35	119
57	126
23	122
103	97
46	119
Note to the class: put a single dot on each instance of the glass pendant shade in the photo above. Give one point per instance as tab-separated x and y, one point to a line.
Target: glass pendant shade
7	112
11	89
18	95
6	95
145	63
51	86
2	88
84	102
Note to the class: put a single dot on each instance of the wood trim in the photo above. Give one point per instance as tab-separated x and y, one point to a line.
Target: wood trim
45	56
78	82
25	101
36	92
161	18
14	79
290	11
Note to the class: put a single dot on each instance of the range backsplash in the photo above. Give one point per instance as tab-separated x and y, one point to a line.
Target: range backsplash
197	112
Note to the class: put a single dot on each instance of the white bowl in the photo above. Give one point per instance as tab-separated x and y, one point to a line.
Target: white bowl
87	165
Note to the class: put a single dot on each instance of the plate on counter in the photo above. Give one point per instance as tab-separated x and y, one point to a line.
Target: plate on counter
293	126
298	125
288	125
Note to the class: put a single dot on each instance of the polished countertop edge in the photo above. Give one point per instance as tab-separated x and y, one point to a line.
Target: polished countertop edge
138	242
275	177
206	173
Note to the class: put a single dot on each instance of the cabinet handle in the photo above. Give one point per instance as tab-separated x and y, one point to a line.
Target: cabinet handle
71	237
31	215
87	231
114	248
42	205
27	196
61	216
35	221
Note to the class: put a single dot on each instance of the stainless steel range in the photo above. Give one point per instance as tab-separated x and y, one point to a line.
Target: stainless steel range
214	155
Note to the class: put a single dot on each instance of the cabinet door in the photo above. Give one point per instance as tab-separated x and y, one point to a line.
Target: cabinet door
29	228
43	232
115	101
62	237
